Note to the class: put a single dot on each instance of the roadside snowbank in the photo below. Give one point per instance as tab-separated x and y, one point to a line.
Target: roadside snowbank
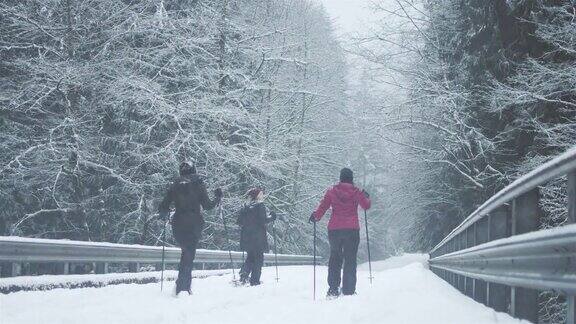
48	282
397	262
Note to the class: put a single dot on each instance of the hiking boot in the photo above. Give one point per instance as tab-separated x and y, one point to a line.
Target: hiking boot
183	293
333	293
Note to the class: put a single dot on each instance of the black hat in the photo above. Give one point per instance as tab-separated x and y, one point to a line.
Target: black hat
187	169
346	175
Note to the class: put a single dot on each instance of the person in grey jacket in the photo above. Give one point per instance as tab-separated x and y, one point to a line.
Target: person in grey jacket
189	195
252	220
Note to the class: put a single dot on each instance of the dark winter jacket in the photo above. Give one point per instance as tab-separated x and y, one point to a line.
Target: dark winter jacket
252	220
344	199
188	194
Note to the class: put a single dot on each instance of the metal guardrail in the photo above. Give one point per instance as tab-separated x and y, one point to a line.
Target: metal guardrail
499	255
16	250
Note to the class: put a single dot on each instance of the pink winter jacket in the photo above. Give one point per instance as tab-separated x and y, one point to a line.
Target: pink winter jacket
344	199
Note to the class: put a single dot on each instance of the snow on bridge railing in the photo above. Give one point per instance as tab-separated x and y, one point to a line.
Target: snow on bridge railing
499	255
17	250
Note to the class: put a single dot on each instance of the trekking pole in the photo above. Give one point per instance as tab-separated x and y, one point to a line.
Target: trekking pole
314	297
163	254
275	251
368	245
227	242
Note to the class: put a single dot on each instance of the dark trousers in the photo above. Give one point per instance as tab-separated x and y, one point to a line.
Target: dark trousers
343	248
188	241
252	267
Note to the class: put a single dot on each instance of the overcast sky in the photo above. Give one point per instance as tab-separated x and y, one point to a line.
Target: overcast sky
351	17
348	15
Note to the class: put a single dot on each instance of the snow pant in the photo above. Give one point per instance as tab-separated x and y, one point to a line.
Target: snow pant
252	267
188	241
343	248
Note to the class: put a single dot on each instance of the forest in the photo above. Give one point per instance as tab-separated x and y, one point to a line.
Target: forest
488	95
101	100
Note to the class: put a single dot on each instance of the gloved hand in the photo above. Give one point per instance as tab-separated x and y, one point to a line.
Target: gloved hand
272	215
218	193
312	219
366	194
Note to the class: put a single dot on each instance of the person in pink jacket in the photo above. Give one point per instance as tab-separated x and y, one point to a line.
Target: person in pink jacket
343	231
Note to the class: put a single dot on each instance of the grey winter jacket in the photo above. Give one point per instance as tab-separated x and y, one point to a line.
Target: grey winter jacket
252	220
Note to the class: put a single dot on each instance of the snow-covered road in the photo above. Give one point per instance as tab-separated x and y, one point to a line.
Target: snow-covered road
400	294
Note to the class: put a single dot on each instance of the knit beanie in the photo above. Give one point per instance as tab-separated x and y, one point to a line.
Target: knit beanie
346	175
187	169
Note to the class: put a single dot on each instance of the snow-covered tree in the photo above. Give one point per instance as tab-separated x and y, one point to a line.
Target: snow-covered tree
101	100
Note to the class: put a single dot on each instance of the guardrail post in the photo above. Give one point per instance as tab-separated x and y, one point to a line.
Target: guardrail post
482	230
10	269
463	245
571	186
524	303
500	226
526	213
571	309
571	198
469	286
63	268
134	267
480	290
470	242
449	250
101	267
454	275
480	236
525	218
456	247
497	295
459	278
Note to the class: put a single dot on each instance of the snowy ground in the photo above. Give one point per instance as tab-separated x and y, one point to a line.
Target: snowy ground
405	294
397	262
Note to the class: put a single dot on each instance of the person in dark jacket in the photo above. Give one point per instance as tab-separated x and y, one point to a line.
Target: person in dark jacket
189	195
252	220
343	231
